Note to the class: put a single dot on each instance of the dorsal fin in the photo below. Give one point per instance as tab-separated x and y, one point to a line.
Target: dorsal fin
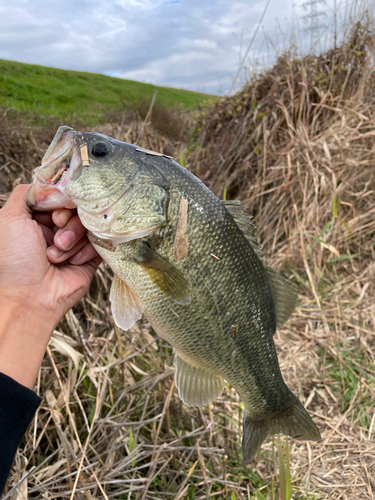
285	293
285	296
243	221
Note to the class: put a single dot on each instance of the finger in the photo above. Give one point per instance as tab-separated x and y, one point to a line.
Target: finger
62	216
44	218
56	255
47	233
86	254
73	232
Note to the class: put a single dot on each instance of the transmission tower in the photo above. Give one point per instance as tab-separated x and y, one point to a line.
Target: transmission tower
314	17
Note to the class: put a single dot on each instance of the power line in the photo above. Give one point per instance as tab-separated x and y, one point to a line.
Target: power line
249	47
315	17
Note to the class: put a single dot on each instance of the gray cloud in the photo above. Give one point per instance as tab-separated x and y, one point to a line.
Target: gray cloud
194	44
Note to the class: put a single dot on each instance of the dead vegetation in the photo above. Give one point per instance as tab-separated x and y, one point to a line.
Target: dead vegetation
297	146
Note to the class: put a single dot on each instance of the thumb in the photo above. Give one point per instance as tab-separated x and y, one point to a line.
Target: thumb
16	203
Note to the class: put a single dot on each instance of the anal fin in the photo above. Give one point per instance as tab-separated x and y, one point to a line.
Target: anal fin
196	387
126	309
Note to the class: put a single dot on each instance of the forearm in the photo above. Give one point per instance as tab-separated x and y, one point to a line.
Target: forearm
18	405
24	336
37	286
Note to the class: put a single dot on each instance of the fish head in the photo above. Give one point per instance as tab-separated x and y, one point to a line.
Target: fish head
80	169
103	178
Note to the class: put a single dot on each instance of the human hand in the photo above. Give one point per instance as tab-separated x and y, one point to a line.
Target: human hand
38	286
28	271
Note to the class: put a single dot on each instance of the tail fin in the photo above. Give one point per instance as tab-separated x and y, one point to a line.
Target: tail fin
293	420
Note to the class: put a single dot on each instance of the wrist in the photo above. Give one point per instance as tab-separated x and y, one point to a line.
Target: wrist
24	336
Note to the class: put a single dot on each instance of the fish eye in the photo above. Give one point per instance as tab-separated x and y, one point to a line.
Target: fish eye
100	149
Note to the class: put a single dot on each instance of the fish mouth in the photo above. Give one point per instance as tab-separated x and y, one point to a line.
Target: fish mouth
56	178
60	161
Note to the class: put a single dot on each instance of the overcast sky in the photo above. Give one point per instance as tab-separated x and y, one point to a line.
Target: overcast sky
192	44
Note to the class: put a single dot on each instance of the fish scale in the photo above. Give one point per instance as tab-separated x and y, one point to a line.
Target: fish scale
217	303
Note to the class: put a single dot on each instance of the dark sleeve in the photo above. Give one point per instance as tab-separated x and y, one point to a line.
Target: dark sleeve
18	405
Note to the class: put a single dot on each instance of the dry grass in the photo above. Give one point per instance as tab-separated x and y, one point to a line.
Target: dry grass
299	150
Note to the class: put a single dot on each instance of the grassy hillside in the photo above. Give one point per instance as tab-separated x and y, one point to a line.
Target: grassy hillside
79	96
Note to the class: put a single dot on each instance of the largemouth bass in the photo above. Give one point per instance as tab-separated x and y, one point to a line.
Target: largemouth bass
190	264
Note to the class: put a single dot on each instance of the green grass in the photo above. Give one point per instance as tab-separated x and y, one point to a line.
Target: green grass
84	97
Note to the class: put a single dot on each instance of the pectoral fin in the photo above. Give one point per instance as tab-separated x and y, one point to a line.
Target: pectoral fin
126	309
196	387
165	276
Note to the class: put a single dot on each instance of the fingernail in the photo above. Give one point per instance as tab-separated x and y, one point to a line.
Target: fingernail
55	252
76	258
65	240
